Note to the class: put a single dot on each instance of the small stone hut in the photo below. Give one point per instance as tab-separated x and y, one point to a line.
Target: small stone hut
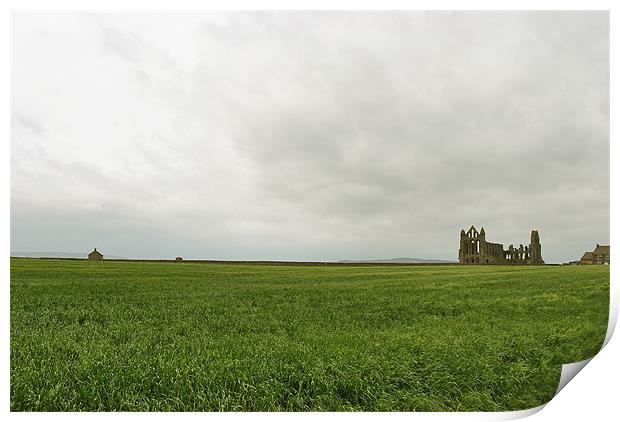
95	255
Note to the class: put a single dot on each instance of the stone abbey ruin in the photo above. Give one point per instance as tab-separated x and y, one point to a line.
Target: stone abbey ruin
476	250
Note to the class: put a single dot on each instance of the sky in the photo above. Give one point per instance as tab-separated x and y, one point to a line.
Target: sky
309	135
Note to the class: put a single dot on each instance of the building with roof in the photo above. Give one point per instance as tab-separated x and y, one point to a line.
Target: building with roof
95	255
601	254
587	259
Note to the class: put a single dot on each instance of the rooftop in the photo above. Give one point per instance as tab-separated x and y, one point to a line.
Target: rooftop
601	249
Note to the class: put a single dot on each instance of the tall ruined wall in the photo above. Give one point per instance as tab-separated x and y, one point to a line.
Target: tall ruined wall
474	249
535	249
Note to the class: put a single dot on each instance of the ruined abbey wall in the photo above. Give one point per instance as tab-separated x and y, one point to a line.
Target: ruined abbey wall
474	249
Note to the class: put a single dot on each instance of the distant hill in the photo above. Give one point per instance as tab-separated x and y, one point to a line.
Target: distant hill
397	261
84	255
58	255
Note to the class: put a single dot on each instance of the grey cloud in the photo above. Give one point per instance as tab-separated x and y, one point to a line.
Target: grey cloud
124	44
315	135
30	124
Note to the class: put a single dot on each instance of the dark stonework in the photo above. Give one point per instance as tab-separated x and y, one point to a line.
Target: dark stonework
95	256
476	250
600	255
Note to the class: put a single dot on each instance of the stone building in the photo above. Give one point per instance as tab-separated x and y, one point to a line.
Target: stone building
474	249
95	256
587	259
601	254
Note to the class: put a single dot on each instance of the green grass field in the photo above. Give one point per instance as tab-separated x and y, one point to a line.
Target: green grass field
209	337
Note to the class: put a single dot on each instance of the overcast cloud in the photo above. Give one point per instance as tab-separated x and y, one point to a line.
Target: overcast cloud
309	136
